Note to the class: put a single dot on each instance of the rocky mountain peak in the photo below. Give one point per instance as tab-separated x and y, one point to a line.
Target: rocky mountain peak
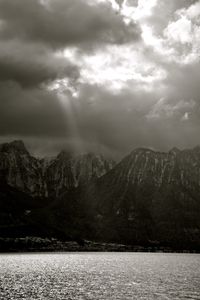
174	151
141	151
15	146
64	155
49	176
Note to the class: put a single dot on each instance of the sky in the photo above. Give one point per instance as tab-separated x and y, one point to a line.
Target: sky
100	75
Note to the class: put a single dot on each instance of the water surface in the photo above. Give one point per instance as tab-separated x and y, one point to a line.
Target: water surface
100	276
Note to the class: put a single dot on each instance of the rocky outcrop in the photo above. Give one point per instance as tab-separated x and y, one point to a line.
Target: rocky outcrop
66	172
49	177
150	195
20	169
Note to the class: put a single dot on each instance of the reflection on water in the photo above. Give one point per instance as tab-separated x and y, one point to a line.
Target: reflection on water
100	276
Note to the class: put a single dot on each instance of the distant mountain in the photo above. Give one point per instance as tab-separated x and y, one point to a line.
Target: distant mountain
49	177
20	169
67	171
150	196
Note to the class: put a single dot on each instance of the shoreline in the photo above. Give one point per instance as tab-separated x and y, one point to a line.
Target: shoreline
38	244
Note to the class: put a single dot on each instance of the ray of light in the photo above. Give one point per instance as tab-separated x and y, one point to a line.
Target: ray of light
67	96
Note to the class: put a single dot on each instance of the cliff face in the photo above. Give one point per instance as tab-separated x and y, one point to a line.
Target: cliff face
20	169
49	177
66	172
158	169
148	198
151	196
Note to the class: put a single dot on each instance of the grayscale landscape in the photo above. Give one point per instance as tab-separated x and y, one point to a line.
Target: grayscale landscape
99	149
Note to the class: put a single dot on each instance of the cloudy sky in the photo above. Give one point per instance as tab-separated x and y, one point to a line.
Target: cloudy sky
100	75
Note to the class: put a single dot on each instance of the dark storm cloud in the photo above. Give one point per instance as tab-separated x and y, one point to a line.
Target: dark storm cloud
32	65
30	32
114	122
60	23
28	29
131	118
184	81
159	114
30	112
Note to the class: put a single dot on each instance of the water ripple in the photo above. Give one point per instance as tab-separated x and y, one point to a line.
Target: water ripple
96	276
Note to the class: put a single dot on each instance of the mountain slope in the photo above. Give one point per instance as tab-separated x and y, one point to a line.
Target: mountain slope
150	196
66	171
49	177
20	169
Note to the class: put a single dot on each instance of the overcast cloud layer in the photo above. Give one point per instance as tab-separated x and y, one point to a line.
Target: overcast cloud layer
100	75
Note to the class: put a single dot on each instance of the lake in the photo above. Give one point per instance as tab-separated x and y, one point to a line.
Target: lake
99	276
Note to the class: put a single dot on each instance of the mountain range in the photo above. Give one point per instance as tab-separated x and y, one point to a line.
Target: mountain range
49	177
148	198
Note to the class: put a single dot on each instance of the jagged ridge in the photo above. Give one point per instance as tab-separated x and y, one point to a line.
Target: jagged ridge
49	177
149	198
150	195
